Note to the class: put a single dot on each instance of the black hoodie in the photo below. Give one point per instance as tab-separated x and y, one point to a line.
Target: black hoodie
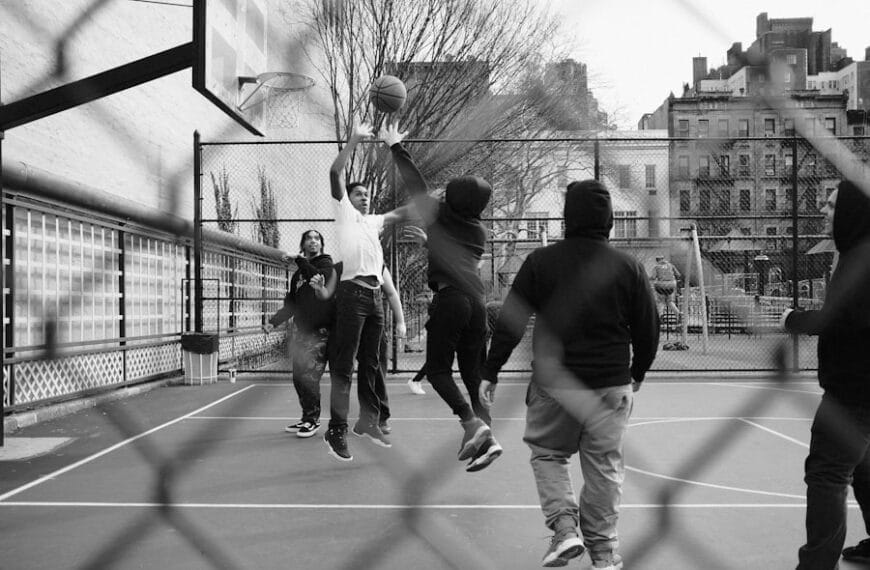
594	304
843	323
301	301
456	236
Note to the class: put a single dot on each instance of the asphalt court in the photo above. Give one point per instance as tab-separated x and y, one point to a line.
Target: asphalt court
732	482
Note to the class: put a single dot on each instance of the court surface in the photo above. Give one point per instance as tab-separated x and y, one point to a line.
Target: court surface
714	480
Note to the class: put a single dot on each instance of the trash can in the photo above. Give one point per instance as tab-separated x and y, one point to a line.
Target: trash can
199	356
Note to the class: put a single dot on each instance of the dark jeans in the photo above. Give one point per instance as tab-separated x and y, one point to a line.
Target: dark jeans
840	438
456	327
359	324
309	362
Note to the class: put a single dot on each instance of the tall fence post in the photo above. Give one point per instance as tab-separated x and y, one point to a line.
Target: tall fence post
197	233
597	160
795	279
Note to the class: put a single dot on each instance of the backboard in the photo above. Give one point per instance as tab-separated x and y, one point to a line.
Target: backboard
230	43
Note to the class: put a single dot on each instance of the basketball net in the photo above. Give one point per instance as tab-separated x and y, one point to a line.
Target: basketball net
282	94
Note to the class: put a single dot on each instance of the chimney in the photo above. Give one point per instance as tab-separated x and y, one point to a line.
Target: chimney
699	69
867	54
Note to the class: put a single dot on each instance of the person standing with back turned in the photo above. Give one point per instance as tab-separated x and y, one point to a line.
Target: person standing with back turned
840	434
596	334
457	315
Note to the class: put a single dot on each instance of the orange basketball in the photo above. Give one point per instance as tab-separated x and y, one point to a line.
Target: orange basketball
387	93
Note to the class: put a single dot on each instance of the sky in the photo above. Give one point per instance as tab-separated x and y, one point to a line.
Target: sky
638	51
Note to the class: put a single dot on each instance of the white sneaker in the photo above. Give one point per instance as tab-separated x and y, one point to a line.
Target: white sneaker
416	388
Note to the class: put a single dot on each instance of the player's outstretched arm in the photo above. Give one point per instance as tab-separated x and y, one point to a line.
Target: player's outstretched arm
336	171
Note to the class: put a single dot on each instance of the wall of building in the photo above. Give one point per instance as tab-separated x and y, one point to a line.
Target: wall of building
136	144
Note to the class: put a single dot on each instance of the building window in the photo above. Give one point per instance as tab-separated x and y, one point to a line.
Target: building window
562	227
624	176
770	199
535	228
703	128
745	200
703	167
683	166
810	164
653	223
725	165
810	199
650	175
770	230
788	160
683	127
788	127
743	128
723	128
831	124
858	131
791	59
704	200
786	77
770	165
685	201
724	201
810	126
769	127
743	165
625	224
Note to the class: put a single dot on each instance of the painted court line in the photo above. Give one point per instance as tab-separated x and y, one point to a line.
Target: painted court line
118	445
713	485
638	421
344	507
776	433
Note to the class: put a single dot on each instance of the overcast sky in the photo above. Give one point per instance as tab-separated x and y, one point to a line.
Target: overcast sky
638	51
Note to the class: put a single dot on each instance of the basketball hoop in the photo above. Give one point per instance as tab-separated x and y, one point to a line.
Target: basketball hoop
280	98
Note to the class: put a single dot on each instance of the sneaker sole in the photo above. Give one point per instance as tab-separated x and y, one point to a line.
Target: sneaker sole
564	557
486	459
374	440
335	455
292	429
417	390
472	446
307	433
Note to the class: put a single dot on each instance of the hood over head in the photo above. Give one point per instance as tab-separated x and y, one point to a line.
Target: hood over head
468	195
851	216
588	210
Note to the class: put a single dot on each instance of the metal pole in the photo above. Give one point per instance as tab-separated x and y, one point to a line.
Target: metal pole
197	233
597	154
794	246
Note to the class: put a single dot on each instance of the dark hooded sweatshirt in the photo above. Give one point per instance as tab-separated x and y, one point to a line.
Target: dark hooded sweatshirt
301	301
456	236
594	304
843	323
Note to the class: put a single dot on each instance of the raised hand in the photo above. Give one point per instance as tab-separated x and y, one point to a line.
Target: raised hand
415	234
361	131
390	134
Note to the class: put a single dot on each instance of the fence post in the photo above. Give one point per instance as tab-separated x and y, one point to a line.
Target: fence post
7	299
197	234
597	160
794	245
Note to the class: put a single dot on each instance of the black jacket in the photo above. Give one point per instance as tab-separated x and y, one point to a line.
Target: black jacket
301	301
595	312
456	236
843	322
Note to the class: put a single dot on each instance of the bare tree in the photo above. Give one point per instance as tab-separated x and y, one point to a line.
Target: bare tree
266	212
226	214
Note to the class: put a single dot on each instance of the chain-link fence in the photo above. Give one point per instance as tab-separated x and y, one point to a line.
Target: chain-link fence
755	204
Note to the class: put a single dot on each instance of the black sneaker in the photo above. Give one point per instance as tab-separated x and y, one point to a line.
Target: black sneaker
564	546
337	442
293	428
475	435
372	432
307	429
385	427
488	452
858	553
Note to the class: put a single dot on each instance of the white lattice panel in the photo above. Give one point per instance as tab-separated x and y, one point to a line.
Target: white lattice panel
41	380
153	360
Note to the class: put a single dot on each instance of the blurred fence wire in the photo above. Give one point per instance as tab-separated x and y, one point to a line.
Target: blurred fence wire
96	298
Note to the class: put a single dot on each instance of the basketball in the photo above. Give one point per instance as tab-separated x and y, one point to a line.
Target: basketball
388	93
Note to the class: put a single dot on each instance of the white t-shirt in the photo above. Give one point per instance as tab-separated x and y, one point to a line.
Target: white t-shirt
358	244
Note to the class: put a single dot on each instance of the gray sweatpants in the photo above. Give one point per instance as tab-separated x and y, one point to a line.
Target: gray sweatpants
561	422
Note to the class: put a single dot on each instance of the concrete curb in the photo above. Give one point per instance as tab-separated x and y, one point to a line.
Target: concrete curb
18	420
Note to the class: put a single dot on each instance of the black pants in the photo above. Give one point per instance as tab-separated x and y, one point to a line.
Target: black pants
456	328
359	324
309	362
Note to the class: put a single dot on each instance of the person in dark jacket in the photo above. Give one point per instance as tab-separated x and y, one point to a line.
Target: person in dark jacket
457	316
308	302
595	337
840	434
